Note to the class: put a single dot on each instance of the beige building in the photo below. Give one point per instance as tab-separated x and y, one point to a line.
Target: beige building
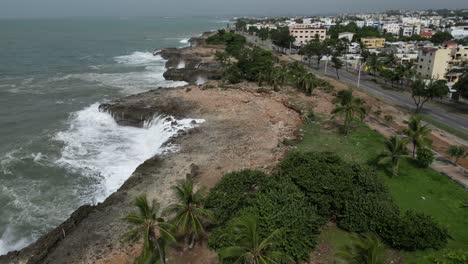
373	43
306	34
436	62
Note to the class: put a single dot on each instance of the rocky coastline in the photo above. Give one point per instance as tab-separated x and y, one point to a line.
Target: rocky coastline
243	129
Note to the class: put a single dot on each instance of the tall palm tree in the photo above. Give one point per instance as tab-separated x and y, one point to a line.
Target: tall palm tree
373	63
251	249
155	231
349	106
188	213
394	152
417	133
366	249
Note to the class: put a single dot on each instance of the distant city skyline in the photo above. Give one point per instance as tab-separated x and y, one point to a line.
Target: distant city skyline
73	8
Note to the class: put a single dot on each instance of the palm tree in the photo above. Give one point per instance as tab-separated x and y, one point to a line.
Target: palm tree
279	77
349	106
417	133
366	249
373	63
189	216
456	152
307	83
251	249
337	64
155	231
395	151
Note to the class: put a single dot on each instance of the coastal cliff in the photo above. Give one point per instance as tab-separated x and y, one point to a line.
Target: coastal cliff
242	129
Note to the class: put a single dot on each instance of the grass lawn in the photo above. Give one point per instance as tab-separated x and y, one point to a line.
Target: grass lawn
423	190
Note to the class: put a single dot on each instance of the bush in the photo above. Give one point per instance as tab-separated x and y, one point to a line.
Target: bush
424	157
388	118
416	231
278	205
448	257
232	74
234	191
359	200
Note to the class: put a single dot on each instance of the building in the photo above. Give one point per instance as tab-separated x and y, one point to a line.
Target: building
459	32
346	35
391	28
260	26
305	34
373	43
436	62
426	32
408	31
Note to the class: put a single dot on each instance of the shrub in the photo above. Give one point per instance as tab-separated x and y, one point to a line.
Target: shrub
232	74
448	257
388	118
378	112
279	205
415	231
234	191
424	157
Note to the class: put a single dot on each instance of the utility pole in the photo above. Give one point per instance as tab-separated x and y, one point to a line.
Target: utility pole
359	74
326	64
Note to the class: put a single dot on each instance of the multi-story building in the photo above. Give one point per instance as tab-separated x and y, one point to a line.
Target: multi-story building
391	28
346	35
426	32
459	32
408	31
436	62
373	43
306	34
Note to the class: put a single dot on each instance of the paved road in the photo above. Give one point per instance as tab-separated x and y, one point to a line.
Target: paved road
454	120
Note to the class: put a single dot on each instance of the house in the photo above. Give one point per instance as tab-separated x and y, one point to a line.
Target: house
426	32
346	35
306	34
408	31
373	43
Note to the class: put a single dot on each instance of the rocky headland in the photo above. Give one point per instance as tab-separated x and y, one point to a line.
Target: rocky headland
243	129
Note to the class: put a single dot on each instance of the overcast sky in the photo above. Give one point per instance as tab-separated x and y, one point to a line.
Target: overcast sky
65	8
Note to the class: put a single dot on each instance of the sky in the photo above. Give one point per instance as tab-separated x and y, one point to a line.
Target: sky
73	8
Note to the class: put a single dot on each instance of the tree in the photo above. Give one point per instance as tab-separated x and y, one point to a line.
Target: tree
440	37
365	249
462	84
349	106
373	64
317	49
417	133
252	249
263	33
222	57
307	83
155	231
421	92
279	77
337	64
456	152
282	38
188	213
394	152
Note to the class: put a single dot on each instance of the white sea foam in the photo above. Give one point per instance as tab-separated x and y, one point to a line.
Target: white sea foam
184	41
97	147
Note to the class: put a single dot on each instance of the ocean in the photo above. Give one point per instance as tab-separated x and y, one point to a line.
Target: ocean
57	151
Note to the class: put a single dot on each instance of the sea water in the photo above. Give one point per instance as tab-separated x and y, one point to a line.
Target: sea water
57	150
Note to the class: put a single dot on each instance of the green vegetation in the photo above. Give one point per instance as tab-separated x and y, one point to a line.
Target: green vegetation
417	133
444	127
365	249
424	157
440	37
351	107
395	151
418	189
251	248
156	233
456	152
422	92
188	214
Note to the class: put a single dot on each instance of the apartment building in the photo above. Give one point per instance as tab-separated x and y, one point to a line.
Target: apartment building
391	28
373	43
306	34
459	32
436	62
408	31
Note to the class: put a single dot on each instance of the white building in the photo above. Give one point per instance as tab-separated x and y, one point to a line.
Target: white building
408	31
391	28
459	32
347	35
360	23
